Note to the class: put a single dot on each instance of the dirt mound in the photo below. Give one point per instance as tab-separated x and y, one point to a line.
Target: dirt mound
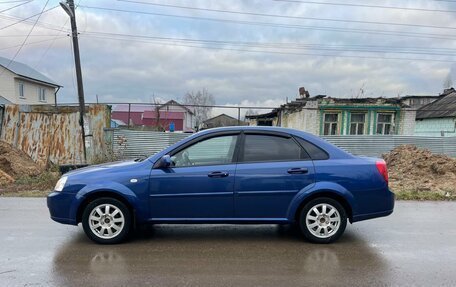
15	163
414	169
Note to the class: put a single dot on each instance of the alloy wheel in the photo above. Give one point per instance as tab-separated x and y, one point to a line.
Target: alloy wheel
106	221
323	220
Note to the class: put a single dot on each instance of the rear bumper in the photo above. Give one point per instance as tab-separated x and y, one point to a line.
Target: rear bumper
59	204
389	208
361	217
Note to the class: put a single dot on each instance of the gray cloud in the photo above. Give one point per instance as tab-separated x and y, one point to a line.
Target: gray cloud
127	70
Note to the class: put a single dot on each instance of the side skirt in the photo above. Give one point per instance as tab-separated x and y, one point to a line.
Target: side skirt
221	220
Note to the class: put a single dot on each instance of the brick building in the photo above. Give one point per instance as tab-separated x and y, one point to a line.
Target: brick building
322	115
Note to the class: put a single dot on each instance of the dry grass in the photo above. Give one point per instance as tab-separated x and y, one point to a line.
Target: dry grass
424	195
29	193
31	186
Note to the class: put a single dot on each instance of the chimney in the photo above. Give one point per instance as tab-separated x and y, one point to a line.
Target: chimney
303	93
448	91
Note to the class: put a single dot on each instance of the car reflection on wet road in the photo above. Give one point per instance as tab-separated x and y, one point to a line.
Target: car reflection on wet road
411	247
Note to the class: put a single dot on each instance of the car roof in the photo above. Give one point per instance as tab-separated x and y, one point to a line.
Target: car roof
332	150
256	128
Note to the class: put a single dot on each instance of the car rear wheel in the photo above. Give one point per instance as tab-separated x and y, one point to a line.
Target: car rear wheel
106	221
323	220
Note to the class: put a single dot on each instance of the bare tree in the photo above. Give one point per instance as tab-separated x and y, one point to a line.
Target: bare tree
157	104
448	82
203	99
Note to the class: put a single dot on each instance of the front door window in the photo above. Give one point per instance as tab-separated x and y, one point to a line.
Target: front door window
213	151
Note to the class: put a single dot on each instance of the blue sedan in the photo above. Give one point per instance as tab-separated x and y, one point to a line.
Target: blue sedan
228	175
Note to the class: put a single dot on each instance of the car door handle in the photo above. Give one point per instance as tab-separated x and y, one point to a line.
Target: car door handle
298	170
218	174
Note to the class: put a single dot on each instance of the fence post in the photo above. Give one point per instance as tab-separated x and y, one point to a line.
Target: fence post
1	119
239	116
129	108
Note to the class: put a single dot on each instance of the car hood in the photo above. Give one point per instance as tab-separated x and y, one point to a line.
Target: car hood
103	167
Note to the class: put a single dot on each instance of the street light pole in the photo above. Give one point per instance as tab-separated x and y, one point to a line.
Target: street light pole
69	9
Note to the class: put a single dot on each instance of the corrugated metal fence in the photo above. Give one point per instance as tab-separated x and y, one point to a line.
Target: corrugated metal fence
378	145
133	143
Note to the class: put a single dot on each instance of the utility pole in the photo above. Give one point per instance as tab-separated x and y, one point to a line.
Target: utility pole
69	9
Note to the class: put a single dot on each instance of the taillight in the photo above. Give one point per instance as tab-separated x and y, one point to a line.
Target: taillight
381	167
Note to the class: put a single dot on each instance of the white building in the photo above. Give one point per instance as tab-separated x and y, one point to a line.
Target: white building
23	85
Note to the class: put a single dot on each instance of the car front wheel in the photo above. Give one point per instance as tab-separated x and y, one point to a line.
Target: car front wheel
323	220
106	221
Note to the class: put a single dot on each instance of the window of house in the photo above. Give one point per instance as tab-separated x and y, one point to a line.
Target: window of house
21	91
331	124
42	94
259	148
213	151
384	123
357	123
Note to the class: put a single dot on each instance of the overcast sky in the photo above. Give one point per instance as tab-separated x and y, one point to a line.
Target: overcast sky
245	59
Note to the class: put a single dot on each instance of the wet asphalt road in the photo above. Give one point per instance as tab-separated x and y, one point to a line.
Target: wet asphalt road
414	246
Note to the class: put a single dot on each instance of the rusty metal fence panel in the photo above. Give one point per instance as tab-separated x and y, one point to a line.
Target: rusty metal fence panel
53	134
378	145
1	117
134	143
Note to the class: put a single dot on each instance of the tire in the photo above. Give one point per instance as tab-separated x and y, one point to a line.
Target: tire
107	221
327	225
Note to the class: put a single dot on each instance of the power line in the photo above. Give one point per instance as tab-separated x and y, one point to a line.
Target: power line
26	38
31	43
7	9
40	24
367	6
39	35
287	16
292	26
14	1
295	46
171	43
25	19
52	43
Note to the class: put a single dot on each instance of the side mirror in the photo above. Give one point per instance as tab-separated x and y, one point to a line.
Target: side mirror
165	161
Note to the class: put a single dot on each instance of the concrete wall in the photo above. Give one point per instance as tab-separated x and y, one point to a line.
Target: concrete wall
306	119
9	89
436	127
407	122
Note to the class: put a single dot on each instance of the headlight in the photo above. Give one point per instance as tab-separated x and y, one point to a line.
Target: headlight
61	183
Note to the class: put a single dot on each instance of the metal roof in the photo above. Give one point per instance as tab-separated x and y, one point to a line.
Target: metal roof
4	101
444	107
134	108
164	115
26	71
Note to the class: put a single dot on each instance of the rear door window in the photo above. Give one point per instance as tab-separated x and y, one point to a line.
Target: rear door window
314	152
263	148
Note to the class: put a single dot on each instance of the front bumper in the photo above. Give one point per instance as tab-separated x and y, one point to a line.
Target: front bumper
59	204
